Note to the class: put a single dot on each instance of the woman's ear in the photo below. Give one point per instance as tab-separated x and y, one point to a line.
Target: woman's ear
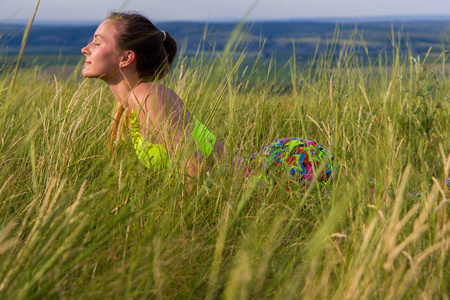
128	58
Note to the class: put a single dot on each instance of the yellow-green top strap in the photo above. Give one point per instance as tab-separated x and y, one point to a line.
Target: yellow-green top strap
153	156
204	139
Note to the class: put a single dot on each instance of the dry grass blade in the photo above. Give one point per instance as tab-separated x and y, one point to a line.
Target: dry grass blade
22	48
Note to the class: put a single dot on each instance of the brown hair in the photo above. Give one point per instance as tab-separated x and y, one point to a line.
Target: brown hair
117	127
155	52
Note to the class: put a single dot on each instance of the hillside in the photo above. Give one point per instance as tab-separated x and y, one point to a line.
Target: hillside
278	37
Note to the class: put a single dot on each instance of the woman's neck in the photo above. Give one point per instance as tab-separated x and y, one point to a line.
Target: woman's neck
122	88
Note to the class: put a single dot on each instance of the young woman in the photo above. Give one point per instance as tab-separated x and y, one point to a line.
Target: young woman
130	54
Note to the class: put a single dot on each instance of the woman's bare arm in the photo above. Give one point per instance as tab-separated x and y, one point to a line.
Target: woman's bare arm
163	115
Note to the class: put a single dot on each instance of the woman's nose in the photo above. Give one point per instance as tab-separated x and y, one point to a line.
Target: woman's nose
85	50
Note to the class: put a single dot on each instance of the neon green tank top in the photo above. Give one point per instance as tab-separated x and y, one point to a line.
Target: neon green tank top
154	156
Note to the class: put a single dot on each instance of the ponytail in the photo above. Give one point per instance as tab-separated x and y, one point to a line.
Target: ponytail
117	128
170	45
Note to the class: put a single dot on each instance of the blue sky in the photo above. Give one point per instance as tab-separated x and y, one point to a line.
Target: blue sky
219	10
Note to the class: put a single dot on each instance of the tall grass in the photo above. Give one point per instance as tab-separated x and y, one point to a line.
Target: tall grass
77	224
22	47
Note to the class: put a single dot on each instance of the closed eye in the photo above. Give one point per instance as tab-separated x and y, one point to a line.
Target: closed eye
95	41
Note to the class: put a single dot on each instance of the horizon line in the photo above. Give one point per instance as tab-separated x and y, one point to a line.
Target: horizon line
331	19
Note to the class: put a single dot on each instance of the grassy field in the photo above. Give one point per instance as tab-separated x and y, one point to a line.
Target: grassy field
78	223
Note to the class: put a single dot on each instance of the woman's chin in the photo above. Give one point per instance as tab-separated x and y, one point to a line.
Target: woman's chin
88	75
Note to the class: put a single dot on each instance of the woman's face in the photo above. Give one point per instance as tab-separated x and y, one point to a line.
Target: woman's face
102	55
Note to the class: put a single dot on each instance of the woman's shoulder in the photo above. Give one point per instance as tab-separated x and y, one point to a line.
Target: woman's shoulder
153	88
149	93
155	91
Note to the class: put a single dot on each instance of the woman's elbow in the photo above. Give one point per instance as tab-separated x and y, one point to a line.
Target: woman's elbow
196	165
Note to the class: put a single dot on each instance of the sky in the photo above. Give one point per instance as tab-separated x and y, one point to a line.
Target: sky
219	10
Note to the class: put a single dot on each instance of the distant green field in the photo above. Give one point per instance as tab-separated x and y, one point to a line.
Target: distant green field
270	38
